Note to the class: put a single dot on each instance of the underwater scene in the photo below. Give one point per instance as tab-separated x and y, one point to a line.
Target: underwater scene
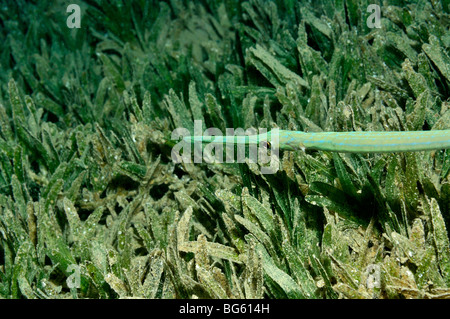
225	149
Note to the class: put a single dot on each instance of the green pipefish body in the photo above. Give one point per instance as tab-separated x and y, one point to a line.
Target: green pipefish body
353	142
366	142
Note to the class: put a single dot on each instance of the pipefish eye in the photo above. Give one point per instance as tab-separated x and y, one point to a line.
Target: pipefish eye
267	145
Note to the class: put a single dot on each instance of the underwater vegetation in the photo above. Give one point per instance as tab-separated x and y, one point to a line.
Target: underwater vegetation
93	206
